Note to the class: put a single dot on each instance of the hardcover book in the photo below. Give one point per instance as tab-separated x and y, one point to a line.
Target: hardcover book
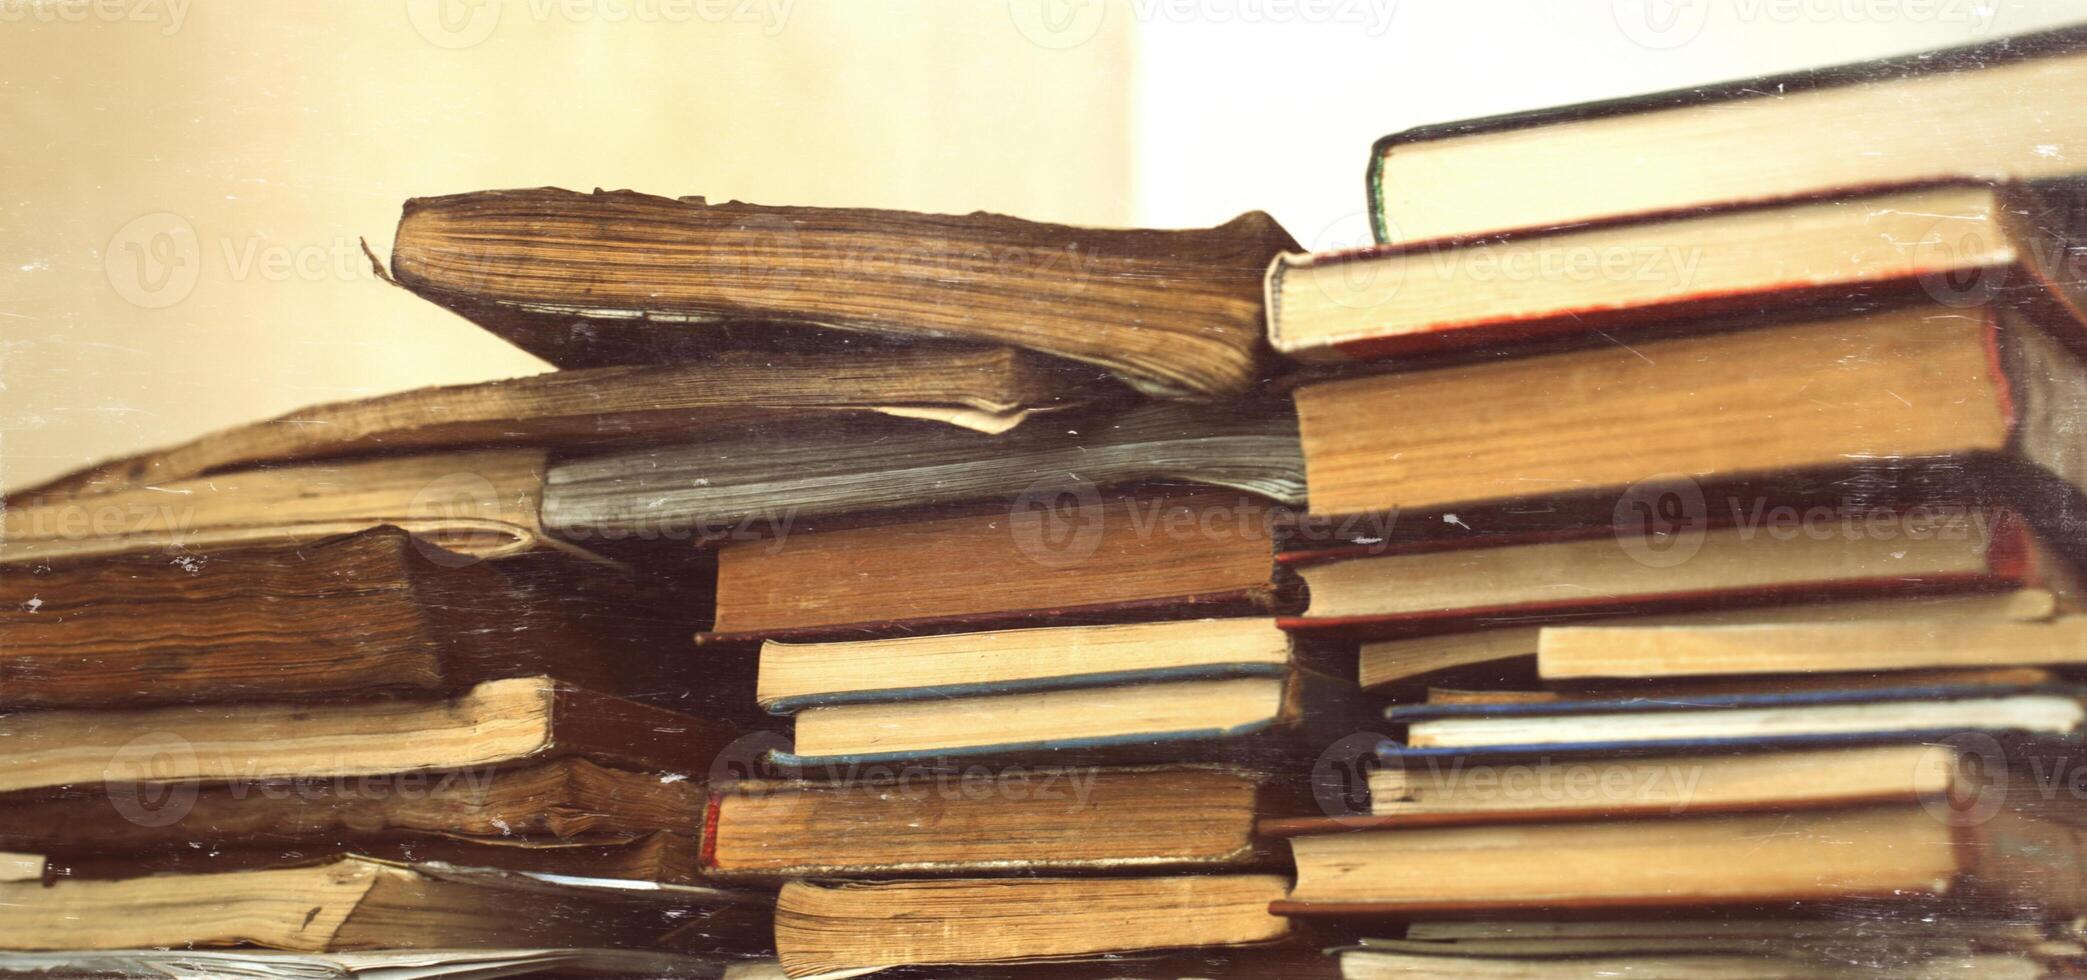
1073	557
619	277
1960	241
1999	109
785	478
371	613
1904	400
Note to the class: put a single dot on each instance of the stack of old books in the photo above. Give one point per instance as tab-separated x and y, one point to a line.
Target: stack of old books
1728	623
871	590
470	680
1036	696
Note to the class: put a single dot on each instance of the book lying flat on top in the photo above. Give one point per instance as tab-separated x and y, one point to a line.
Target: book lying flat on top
501	722
1960	241
357	904
1406	660
1903	852
589	279
1078	557
1732	721
367	613
1031	821
1486	580
1920	396
802	473
826	927
2000	109
990	389
479	504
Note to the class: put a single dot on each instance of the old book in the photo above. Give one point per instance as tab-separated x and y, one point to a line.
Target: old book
1833	926
358	903
1753	719
396	964
1903	852
478	504
824	927
1996	109
777	479
1960	241
1690	688
800	675
659	858
1079	557
500	722
1678	960
1666	784
566	799
991	389
1829	942
1290	961
1025	821
589	279
1584	654
21	867
1915	393
1253	718
367	613
1392	662
1534	578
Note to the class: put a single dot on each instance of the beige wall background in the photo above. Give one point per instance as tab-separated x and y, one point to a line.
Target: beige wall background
182	182
246	144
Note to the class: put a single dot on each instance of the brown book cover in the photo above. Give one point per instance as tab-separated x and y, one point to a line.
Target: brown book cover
1065	556
367	614
621	277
